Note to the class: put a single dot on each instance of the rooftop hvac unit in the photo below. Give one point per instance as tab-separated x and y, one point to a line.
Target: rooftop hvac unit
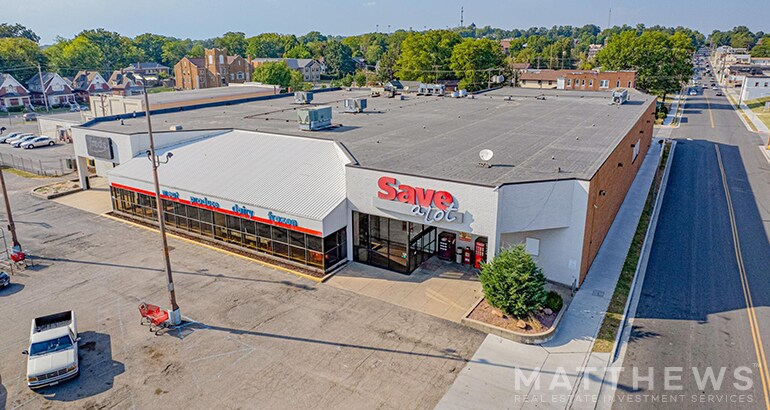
314	119
431	89
619	96
463	93
355	104
303	97
175	128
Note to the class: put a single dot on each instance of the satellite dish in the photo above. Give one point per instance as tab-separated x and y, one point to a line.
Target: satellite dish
486	154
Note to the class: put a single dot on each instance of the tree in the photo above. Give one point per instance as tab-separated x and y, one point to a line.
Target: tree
338	59
762	49
119	51
22	55
662	61
197	51
173	51
298	51
513	282
387	67
234	42
472	59
360	78
80	54
17	31
312	37
298	83
267	45
425	56
151	45
277	73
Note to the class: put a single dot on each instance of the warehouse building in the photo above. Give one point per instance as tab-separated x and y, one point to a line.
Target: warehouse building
391	186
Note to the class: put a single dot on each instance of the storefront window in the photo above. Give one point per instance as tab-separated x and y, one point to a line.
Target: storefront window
292	245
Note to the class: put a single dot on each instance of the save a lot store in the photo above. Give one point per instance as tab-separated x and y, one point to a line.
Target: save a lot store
304	202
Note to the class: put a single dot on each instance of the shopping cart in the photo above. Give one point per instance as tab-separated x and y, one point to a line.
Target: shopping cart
155	317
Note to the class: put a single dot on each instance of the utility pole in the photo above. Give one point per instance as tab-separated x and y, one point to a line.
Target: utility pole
11	226
174	316
461	16
42	86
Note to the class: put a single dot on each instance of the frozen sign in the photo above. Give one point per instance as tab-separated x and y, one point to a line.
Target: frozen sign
428	204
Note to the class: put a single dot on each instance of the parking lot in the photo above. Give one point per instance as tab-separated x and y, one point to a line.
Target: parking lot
259	337
47	158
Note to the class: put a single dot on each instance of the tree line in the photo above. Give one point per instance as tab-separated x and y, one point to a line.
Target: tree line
470	55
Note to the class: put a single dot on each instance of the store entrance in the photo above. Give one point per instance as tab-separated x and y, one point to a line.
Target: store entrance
392	244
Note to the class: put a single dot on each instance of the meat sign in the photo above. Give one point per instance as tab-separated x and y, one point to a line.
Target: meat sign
429	204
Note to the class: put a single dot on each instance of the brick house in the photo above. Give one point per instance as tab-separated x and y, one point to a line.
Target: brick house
583	80
54	88
12	93
88	83
215	69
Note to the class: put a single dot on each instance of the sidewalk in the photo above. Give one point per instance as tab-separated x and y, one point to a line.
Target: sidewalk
675	107
549	373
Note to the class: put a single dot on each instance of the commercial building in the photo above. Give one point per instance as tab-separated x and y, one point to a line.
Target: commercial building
754	87
392	186
582	80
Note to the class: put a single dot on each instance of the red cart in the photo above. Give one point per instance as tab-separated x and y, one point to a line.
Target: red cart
153	316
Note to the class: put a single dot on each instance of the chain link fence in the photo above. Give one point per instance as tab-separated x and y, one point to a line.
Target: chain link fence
46	167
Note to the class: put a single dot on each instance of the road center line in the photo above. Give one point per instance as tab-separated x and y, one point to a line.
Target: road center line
711	117
753	324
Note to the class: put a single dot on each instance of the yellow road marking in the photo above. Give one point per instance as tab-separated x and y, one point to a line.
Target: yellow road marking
711	117
269	265
753	324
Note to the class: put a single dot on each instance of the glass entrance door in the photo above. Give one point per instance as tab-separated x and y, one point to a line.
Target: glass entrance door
392	244
421	248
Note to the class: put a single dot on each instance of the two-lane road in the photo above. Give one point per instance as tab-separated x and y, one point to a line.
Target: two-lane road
705	301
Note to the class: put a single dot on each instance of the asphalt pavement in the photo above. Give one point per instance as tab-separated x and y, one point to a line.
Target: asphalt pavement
705	301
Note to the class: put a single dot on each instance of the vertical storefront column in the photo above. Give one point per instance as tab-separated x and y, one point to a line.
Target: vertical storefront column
82	165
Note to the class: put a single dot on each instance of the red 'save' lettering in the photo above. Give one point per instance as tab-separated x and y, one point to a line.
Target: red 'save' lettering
427	198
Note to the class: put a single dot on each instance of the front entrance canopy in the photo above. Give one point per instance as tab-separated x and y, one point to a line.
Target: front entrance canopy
295	177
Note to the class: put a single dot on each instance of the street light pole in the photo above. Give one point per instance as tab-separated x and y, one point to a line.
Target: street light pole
174	316
11	226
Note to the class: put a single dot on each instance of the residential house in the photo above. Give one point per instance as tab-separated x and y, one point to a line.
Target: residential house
88	83
54	89
12	93
359	62
755	87
583	80
311	69
215	69
239	69
593	50
148	69
125	84
506	45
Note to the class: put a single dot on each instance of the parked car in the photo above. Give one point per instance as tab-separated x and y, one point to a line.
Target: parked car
5	279
16	138
53	350
719	93
693	92
17	143
9	136
29	116
37	142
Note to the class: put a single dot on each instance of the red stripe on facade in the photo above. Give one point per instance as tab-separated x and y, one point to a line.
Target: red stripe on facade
220	210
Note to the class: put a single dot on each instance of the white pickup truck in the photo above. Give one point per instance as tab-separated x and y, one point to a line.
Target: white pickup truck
53	350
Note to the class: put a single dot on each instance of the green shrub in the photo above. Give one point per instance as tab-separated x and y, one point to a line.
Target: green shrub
513	282
553	301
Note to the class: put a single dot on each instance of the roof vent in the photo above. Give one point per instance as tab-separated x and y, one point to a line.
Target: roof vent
175	128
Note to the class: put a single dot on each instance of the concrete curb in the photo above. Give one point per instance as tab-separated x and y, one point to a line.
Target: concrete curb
624	332
525	338
56	195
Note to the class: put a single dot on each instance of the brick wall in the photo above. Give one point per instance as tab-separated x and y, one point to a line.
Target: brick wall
592	80
610	184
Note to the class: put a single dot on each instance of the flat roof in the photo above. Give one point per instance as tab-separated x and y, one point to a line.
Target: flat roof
565	135
204	93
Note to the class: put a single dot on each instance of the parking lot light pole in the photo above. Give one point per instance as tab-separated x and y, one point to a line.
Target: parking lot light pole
174	316
11	225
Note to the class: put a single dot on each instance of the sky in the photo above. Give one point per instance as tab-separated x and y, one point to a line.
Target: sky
199	19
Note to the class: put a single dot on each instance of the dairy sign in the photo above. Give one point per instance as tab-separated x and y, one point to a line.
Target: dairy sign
428	204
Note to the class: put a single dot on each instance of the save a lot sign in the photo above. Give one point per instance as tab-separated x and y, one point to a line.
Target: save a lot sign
429	204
